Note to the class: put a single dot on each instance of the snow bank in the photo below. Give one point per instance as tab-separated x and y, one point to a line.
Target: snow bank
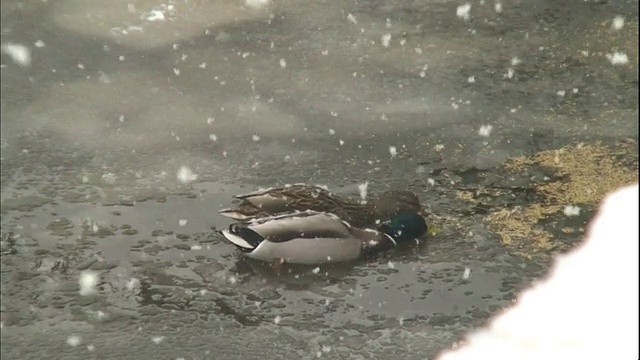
586	308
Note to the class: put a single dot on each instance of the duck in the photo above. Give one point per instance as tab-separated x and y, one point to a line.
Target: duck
315	238
302	197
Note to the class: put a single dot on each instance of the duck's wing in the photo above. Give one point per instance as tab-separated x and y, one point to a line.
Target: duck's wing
256	205
260	203
260	192
284	190
277	200
305	238
307	225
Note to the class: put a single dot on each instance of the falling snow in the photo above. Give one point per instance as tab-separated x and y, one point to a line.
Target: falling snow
352	19
185	175
104	78
277	319
20	54
213	137
423	71
466	274
463	11
133	284
283	63
255	138
572	210
316	270
618	58
74	340
88	281
155	15
497	7
471	79
393	151
485	130
386	40
157	339
400	321
618	22
509	73
182	222
362	188
109	178
39	44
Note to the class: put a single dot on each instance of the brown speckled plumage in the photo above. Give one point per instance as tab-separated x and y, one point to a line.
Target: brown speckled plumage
302	197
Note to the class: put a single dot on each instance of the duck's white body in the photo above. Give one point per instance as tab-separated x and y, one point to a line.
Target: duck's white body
305	238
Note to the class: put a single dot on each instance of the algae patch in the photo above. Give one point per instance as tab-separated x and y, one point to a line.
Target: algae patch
583	175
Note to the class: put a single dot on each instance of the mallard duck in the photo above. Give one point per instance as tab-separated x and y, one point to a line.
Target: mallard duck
303	197
312	237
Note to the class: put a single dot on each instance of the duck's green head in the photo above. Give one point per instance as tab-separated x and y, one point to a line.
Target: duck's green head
405	226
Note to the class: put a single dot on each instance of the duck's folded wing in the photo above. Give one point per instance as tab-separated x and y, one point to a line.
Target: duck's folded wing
283	190
273	200
265	203
257	192
303	225
258	203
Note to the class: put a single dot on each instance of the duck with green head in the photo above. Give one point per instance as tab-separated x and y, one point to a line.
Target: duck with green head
303	197
312	237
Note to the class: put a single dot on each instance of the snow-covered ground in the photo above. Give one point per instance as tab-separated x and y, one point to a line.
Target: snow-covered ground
586	309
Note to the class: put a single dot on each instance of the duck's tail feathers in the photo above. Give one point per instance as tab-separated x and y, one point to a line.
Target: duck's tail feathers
243	237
